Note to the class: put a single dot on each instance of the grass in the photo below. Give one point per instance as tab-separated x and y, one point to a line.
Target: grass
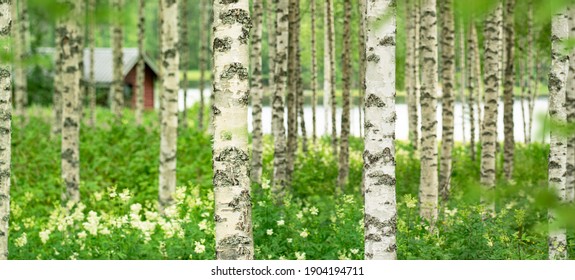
117	217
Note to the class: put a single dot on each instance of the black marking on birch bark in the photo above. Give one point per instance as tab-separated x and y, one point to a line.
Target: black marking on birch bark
221	179
373	57
381	178
232	154
233	69
216	110
245	36
236	15
385	155
368	125
554	165
387	41
222	44
374	101
383	228
218	219
233	246
555	84
225	2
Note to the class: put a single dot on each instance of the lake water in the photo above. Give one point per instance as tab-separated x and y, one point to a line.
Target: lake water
541	107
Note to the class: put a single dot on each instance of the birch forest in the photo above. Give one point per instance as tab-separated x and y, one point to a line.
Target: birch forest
287	129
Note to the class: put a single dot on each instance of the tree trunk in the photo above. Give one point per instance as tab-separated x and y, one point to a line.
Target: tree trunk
6	125
362	62
117	89
462	72
301	99
509	144
347	75
169	103
71	56
472	87
184	57
531	65
327	64
379	154
480	98
570	106
448	99
278	128
332	76
291	102
257	91
58	86
557	112
19	52
203	54
140	71
233	236
314	72
92	74
489	133
428	188
271	30
412	73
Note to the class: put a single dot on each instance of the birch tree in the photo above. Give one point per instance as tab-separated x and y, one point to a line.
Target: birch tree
345	124
362	62
257	91
327	63
6	126
184	57
332	77
300	97
448	99
489	133
231	27
428	188
557	154
462	73
291	102
313	71
71	56
57	95
280	78
531	66
169	101
92	73
379	154
140	70
412	74
509	144
117	89
570	107
472	87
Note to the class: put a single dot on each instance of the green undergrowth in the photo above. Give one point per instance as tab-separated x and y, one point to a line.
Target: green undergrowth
118	219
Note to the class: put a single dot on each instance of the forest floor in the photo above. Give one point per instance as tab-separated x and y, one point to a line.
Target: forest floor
117	217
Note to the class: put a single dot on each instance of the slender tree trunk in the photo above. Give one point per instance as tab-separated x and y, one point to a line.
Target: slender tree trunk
362	63
278	128
71	57
531	65
509	144
300	100
19	52
412	73
472	87
6	126
524	76
140	71
291	102
332	76
462	72
203	54
314	71
533	96
448	99
570	107
345	124
271	30
257	91
326	64
58	86
161	59
184	57
557	112
92	74
489	133
480	98
234	239
379	155
428	188
169	103
117	89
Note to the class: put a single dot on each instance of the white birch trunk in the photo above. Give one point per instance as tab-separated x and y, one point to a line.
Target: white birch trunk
570	103
508	91
92	74
19	51
140	71
326	65
117	89
169	103
257	91
557	154
428	187
314	71
232	23
5	131
379	155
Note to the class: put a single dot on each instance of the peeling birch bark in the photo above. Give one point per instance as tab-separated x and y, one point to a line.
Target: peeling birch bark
257	91
509	144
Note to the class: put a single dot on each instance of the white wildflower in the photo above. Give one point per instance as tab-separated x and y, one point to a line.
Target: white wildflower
281	223
92	223
180	195
300	256
299	215
21	241
205	214
136	208
151	216
171	211
354	251
314	211
200	248
82	235
125	195
451	212
105	231
98	196
270	231
112	192
203	225
289	240
45	235
304	233
265	184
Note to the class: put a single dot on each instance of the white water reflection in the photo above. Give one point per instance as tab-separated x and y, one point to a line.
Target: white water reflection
541	107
